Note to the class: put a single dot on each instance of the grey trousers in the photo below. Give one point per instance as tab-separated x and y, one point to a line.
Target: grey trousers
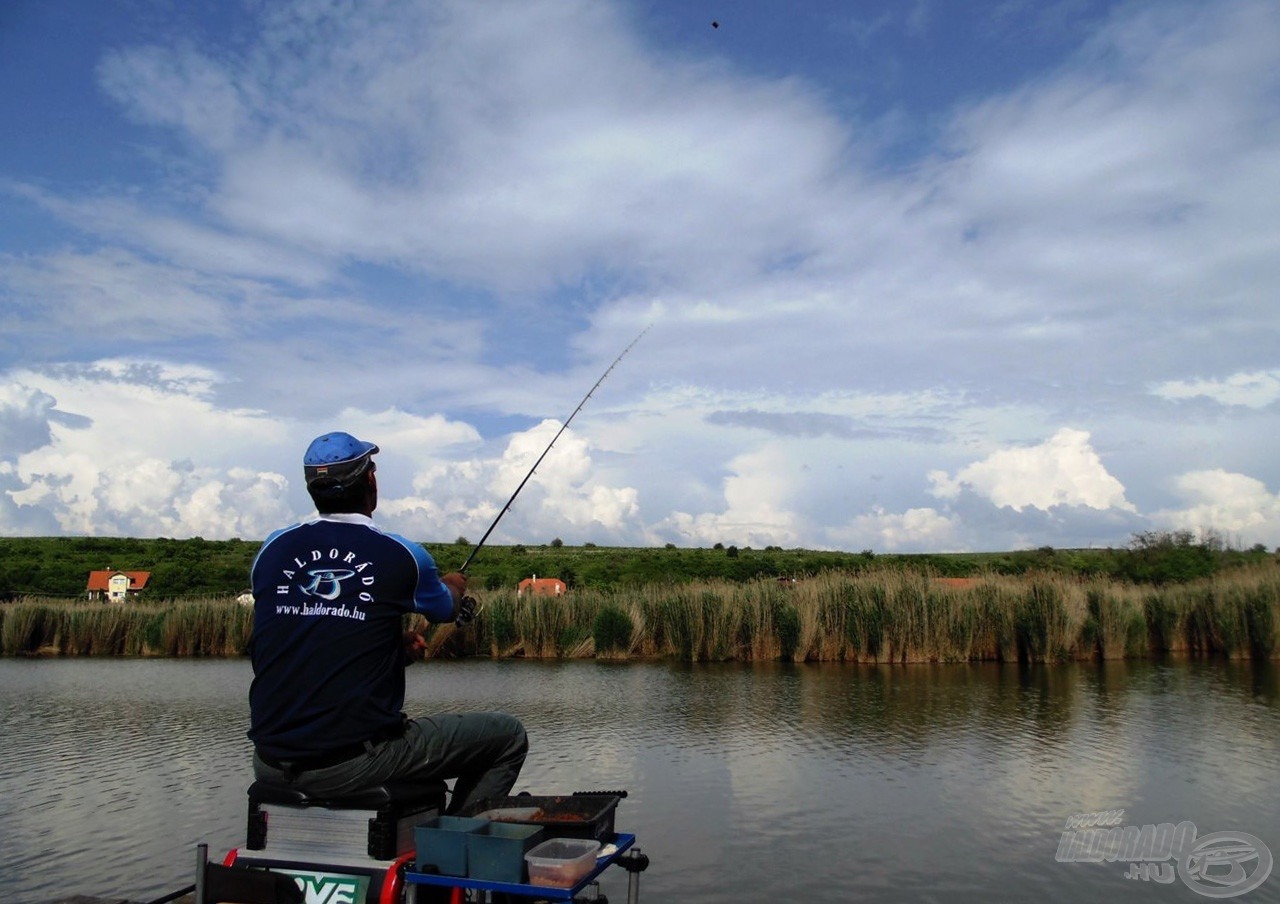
482	751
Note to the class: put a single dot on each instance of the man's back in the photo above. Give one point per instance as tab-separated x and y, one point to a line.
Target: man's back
328	659
329	650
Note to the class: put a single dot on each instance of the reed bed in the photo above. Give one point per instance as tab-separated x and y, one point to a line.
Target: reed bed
196	627
890	616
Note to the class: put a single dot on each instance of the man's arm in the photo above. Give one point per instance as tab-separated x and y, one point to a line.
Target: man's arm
432	597
456	581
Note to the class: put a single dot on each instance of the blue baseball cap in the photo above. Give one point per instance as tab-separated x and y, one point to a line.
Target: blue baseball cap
334	460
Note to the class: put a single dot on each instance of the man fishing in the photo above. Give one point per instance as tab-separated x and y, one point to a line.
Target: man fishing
329	651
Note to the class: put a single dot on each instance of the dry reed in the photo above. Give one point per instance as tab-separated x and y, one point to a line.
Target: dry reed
881	616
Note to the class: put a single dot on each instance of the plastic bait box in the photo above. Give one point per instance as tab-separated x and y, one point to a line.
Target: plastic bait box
563	816
561	862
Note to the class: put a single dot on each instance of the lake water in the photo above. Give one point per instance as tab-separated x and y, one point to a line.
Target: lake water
949	783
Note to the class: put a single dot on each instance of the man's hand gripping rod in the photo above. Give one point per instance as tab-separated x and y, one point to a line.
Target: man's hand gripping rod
562	429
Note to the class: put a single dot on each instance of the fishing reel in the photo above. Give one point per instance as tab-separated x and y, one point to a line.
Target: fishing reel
467	609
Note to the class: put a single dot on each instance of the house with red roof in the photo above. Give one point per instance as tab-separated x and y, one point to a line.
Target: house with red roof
116	586
542	586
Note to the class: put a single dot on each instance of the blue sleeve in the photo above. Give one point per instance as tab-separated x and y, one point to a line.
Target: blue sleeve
430	597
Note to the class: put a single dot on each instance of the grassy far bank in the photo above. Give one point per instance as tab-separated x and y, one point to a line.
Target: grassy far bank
58	567
883	615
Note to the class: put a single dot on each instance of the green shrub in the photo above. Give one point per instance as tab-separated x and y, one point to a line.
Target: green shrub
499	620
611	630
786	622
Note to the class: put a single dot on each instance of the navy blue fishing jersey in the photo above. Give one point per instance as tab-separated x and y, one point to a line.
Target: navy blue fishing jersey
327	648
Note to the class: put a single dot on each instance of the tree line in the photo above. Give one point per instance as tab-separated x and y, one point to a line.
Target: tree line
195	567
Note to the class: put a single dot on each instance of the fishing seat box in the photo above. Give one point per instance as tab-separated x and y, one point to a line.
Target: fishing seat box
377	823
563	816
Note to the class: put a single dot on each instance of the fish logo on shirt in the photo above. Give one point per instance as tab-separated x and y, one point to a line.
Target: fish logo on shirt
326	583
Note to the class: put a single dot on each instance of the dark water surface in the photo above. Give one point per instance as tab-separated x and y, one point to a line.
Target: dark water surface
747	783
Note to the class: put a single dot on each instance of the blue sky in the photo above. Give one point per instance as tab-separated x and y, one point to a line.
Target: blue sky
921	276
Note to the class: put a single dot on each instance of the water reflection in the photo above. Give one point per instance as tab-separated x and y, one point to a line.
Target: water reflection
766	782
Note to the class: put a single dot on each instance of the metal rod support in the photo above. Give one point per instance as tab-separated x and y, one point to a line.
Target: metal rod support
202	860
633	880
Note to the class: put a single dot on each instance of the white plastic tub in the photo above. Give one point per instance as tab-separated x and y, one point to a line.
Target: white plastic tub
561	862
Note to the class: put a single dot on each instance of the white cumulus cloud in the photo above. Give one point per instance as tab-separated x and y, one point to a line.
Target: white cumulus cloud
563	496
1063	470
138	448
916	528
1252	389
758	509
1236	505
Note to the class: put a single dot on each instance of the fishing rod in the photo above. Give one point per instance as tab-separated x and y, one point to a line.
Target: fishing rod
563	428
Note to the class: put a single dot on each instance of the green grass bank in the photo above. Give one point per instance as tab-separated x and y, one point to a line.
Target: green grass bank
888	615
198	568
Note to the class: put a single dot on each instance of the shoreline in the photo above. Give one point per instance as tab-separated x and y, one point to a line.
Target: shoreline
877	618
